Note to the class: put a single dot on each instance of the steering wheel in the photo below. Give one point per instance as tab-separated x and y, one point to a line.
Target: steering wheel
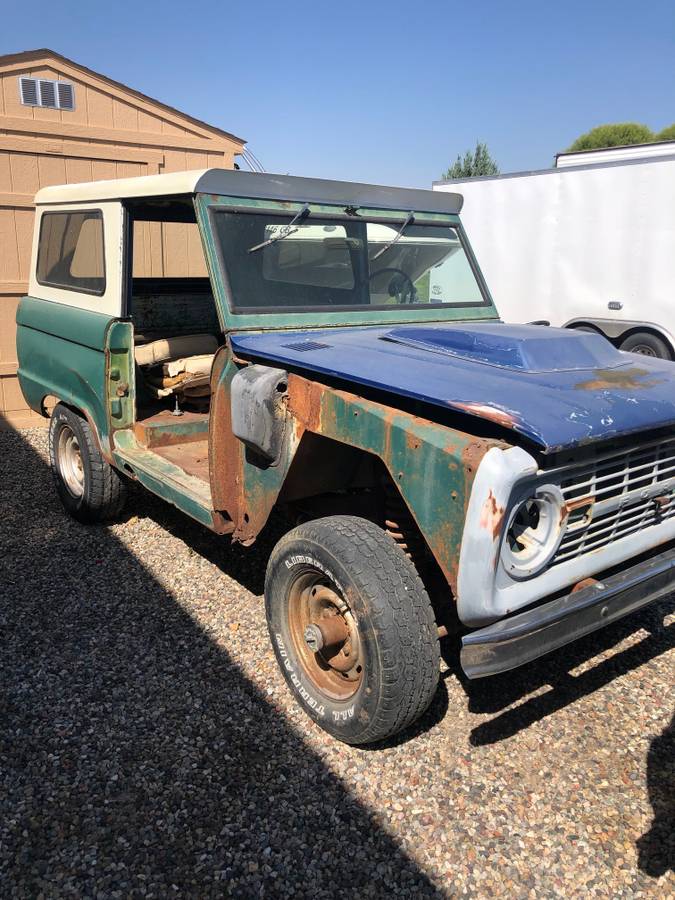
403	291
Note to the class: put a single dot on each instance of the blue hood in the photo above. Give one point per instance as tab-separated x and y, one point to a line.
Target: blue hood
558	388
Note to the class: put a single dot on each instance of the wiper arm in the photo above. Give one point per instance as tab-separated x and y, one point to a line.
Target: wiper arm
408	219
284	233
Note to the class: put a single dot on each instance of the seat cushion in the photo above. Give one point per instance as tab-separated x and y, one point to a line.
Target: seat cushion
166	349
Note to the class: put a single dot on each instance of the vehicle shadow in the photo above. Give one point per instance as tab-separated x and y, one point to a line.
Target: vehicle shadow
498	693
135	756
247	566
490	695
656	848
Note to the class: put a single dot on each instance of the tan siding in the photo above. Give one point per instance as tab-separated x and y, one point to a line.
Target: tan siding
24	173
79	115
100	109
5	173
9	253
12	103
111	133
103	170
125	116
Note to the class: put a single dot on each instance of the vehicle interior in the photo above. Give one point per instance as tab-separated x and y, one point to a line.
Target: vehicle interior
176	333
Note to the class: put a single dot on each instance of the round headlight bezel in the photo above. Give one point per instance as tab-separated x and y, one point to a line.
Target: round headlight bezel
535	528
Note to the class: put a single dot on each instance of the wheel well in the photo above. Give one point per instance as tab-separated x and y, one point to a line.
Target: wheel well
631	329
327	477
47	405
645	329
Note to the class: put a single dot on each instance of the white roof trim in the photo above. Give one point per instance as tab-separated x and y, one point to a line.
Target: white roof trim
121	188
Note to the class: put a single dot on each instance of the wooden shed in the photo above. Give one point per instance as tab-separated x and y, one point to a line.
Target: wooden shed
62	123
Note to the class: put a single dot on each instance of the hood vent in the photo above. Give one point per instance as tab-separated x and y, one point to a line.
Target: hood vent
304	346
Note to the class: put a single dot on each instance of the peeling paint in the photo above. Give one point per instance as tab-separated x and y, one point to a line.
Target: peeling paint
492	516
619	379
500	416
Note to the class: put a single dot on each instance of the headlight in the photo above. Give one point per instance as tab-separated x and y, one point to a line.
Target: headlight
535	528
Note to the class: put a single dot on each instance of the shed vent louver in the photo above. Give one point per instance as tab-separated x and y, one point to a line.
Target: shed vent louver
64	90
29	92
47	93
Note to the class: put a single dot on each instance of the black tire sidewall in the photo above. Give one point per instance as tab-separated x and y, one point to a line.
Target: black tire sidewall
657	344
350	719
78	507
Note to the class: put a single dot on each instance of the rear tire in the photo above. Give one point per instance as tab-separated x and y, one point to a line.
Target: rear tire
645	343
89	488
352	628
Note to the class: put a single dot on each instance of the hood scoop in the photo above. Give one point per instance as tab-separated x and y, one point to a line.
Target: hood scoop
523	348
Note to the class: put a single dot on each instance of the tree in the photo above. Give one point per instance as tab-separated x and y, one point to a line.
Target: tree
475	163
620	134
666	134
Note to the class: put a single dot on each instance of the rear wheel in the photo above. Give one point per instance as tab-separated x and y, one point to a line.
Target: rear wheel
89	488
352	628
646	344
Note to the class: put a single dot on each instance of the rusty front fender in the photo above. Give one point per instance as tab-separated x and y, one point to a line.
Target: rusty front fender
433	466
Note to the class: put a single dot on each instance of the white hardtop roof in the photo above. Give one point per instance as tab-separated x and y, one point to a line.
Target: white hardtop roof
233	183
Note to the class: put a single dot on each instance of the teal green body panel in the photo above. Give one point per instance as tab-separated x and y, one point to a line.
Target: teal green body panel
189	494
322	319
61	352
121	374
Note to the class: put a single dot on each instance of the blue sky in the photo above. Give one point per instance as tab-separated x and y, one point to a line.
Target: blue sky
378	91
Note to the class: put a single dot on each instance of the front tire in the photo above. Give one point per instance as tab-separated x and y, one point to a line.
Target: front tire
89	488
352	628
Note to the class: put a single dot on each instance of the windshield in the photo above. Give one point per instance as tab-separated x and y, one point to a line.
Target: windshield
315	263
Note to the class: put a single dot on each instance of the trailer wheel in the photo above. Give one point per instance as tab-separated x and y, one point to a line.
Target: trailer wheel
352	628
646	344
89	488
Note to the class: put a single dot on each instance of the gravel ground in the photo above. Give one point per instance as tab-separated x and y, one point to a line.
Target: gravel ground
149	747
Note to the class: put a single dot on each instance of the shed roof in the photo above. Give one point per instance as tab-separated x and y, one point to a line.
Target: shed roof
233	183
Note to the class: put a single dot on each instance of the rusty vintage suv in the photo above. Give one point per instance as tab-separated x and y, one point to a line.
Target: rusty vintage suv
238	342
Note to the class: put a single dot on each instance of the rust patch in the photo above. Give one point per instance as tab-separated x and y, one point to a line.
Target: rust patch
583	584
412	442
611	379
576	503
491	413
492	516
304	402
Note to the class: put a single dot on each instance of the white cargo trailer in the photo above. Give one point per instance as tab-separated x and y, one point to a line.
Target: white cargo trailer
587	244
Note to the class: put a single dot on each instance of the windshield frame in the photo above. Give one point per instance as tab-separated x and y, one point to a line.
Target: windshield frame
258	318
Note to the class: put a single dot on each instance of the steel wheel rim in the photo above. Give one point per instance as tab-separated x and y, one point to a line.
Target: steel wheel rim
335	669
643	350
69	456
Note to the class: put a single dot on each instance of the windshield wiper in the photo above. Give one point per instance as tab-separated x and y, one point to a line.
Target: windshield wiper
285	231
409	218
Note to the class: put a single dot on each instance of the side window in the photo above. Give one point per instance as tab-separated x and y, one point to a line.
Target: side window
70	251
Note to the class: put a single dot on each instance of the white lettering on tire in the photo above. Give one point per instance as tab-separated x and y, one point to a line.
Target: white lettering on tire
301	560
314	704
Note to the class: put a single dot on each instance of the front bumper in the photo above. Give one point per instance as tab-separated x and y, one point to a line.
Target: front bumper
526	636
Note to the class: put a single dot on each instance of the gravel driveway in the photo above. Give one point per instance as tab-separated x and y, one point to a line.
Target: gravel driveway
149	747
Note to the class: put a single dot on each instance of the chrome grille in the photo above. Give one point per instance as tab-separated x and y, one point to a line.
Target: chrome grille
616	495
